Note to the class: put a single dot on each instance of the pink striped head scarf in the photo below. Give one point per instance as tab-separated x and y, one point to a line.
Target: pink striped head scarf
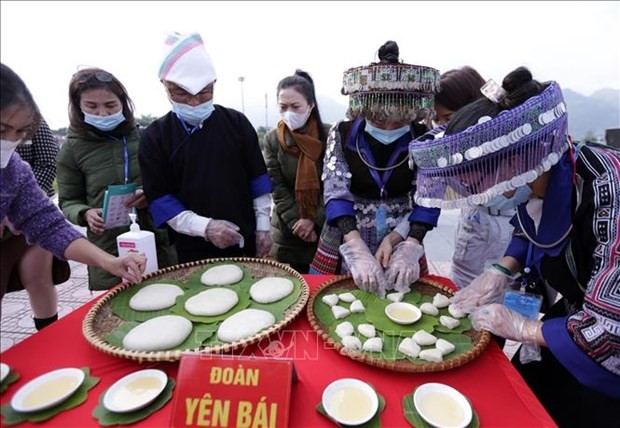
186	62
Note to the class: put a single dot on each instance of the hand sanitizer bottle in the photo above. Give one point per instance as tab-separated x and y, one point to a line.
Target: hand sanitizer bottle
139	241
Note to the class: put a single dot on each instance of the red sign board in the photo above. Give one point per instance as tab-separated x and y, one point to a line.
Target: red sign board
231	391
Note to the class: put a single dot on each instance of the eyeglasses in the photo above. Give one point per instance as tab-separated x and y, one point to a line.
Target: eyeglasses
86	75
180	96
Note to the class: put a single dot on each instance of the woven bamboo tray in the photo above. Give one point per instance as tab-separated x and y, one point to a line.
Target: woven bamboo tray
480	340
100	320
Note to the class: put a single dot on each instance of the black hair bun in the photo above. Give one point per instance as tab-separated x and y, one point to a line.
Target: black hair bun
304	75
389	52
516	79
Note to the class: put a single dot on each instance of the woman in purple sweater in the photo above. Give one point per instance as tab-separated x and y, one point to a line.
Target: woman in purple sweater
25	209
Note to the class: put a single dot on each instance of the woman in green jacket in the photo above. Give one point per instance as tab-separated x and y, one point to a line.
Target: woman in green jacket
294	157
101	150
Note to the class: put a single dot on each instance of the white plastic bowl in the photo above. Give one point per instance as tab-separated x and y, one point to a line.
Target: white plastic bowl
403	313
442	406
350	401
135	391
47	390
4	371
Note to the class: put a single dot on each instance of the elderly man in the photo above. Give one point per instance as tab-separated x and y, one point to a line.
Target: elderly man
202	168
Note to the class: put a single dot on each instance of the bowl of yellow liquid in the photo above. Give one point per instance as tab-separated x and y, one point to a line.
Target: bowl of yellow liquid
442	406
47	390
403	313
350	401
135	391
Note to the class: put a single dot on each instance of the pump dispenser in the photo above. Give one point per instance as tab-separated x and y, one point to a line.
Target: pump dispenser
138	241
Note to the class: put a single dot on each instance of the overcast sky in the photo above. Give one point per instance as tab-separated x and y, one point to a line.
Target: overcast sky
574	43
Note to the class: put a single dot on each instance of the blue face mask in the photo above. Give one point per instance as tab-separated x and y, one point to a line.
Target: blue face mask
193	115
384	136
104	123
500	202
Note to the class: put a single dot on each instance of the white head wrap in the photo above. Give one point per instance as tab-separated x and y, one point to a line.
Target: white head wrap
186	63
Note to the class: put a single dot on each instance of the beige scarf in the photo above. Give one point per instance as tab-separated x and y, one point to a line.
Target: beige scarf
309	150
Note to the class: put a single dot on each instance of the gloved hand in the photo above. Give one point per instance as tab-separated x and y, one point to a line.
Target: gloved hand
223	234
263	244
404	267
366	270
504	322
488	287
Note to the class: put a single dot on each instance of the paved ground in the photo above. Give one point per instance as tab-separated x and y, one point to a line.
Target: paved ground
17	321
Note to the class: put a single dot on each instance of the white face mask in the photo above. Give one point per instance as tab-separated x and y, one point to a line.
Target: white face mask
8	147
295	120
385	136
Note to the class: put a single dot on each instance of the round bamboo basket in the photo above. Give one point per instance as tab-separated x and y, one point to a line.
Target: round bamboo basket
480	340
100	321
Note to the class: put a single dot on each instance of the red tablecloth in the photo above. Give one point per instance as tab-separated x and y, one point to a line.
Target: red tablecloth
497	392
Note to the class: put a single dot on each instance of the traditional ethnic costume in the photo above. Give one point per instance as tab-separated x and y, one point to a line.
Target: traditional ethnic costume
365	179
569	240
212	170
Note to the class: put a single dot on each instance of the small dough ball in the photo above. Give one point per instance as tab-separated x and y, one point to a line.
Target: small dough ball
395	297
449	322
330	299
444	346
357	307
367	330
222	275
351	342
374	344
433	355
429	309
409	347
344	329
340	312
441	301
347	297
424	338
455	312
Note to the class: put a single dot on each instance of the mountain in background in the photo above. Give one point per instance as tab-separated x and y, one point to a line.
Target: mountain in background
588	115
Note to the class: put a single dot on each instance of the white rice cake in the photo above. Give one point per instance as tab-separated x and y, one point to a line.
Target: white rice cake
409	347
330	299
433	355
395	297
449	322
374	344
351	342
455	312
340	312
344	329
357	307
222	275
158	334
212	302
244	324
441	301
429	309
271	289
367	330
424	338
444	346
155	297
347	297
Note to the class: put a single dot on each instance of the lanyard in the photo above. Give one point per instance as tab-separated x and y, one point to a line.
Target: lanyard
380	179
125	156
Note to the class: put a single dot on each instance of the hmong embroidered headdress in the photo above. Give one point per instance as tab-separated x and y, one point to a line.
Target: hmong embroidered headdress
390	91
494	156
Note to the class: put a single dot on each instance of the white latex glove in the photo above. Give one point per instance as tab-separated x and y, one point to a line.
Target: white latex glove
263	244
506	323
367	272
404	267
223	234
488	287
